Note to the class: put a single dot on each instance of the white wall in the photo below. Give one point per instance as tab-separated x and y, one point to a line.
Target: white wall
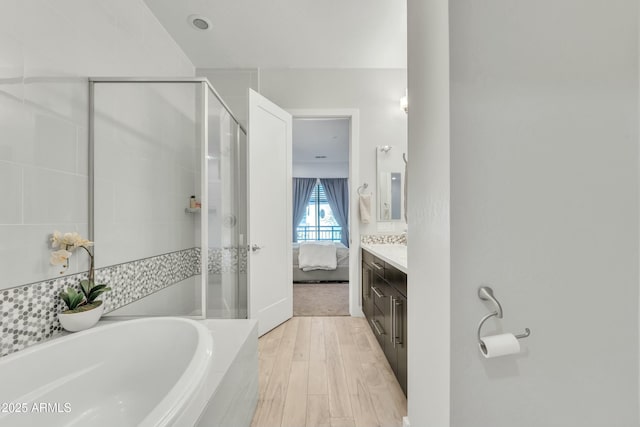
320	170
428	215
46	52
544	208
374	92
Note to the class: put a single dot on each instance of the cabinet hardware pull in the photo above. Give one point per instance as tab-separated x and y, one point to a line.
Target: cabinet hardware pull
377	292
366	293
397	337
392	335
377	266
374	323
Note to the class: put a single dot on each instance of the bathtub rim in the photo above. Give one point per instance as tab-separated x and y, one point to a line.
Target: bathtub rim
166	409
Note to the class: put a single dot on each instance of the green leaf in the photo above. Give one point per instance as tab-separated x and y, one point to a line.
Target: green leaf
85	307
96	291
86	286
98	287
65	298
72	298
76	301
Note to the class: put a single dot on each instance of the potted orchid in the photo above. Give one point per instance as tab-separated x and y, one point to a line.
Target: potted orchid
83	308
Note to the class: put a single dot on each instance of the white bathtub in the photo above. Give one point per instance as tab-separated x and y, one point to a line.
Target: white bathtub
144	372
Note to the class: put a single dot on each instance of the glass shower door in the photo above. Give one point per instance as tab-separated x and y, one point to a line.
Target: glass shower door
147	146
226	297
155	144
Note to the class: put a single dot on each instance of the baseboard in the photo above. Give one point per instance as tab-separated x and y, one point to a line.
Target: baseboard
357	312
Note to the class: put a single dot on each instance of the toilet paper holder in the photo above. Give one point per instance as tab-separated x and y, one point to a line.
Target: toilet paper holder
486	294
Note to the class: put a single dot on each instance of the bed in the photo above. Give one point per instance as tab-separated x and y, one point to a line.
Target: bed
339	274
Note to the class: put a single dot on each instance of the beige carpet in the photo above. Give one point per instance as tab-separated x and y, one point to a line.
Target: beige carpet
321	299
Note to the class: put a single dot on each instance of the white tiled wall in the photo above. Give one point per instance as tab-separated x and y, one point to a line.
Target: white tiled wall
147	158
47	50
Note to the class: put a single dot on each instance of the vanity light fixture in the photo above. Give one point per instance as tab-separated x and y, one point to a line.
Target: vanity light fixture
404	101
200	22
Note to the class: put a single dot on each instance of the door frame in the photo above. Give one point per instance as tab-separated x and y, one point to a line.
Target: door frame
353	114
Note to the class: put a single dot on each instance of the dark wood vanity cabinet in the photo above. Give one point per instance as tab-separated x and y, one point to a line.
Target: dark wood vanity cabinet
367	298
401	344
384	302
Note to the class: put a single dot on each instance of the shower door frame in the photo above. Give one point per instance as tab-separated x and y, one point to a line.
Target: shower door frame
206	89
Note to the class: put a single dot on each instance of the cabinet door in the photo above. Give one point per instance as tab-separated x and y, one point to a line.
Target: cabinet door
389	348
367	295
399	331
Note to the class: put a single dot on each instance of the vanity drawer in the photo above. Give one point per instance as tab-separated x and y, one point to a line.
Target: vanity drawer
380	293
373	261
377	326
396	278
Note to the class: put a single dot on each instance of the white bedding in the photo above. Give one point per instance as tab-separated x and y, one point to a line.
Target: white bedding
317	256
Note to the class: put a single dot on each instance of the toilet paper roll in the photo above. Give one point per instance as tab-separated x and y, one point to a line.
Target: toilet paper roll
499	345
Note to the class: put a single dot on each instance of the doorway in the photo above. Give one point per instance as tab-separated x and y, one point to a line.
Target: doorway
325	241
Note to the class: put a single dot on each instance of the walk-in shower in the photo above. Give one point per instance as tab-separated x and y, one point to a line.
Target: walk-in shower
155	143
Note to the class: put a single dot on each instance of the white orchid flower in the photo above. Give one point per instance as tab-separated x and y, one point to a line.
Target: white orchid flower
56	239
60	257
70	239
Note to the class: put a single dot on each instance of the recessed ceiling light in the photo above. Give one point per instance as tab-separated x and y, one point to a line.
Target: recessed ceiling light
200	22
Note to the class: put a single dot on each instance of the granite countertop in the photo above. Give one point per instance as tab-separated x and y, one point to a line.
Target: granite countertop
396	255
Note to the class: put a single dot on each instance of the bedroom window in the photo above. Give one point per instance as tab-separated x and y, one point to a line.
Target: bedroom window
318	222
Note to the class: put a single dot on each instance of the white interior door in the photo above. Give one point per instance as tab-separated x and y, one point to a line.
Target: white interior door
270	259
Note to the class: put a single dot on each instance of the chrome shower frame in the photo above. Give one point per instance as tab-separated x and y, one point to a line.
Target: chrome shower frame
207	90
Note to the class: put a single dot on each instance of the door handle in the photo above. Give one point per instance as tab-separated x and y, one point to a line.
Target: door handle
256	248
377	266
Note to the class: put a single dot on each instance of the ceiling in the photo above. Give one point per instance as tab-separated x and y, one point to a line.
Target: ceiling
289	33
320	137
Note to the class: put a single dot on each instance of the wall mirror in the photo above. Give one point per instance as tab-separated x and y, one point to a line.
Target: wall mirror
390	185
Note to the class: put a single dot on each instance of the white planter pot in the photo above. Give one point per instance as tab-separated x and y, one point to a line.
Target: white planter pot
74	322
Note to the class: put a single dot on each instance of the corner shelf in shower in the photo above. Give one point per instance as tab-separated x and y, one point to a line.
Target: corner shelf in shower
198	210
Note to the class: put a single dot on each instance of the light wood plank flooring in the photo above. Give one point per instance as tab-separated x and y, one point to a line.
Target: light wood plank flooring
326	371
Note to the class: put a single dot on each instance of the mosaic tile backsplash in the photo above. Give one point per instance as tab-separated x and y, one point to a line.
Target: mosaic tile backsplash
134	280
29	313
387	239
227	260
